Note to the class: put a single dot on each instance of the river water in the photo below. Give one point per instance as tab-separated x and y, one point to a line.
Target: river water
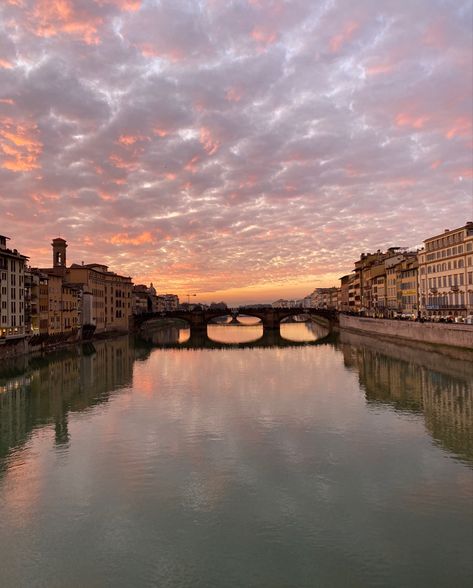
230	460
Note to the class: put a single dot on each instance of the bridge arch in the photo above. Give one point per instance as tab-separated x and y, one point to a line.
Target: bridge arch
270	317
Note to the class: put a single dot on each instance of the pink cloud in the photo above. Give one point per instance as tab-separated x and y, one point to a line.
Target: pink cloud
264	36
20	145
127	239
461	127
208	140
50	18
233	94
343	37
405	119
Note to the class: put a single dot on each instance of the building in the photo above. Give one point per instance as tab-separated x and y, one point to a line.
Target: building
383	284
325	297
407	289
39	317
108	294
167	302
283	303
445	279
104	298
141	300
368	267
347	299
12	292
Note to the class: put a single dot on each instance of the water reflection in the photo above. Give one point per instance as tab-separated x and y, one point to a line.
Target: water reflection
234	334
306	331
44	391
248	331
418	380
280	464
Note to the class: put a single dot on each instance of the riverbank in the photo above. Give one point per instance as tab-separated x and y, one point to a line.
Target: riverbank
16	348
445	335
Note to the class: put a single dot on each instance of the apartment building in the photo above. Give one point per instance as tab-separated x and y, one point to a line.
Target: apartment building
109	296
407	285
325	297
63	306
346	303
39	309
103	297
12	293
445	281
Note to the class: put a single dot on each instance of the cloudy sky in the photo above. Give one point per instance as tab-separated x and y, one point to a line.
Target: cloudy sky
238	149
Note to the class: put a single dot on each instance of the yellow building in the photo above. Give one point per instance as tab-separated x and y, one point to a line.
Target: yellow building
106	297
103	297
408	294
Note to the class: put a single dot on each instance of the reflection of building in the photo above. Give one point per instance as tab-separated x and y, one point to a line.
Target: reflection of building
46	392
440	388
12	297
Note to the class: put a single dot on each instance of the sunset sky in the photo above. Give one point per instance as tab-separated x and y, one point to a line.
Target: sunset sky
243	150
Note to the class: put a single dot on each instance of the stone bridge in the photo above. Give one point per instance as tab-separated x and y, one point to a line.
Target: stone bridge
270	317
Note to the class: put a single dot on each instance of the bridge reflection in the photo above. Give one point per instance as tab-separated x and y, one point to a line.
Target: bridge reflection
228	335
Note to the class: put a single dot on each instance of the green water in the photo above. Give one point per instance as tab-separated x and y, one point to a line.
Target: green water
177	463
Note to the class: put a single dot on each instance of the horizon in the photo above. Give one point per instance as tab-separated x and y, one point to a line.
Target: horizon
243	151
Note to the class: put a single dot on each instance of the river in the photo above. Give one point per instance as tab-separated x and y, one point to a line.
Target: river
234	460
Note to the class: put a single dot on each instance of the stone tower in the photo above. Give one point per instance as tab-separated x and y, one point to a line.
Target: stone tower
59	252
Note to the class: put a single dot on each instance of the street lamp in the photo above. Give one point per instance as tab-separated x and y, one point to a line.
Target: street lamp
189	298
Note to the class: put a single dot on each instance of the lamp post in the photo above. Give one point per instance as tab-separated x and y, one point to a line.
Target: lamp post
189	298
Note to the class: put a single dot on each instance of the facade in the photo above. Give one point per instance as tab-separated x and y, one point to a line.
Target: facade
325	298
39	302
142	302
145	299
167	302
12	292
384	284
108	294
392	271
407	289
366	272
446	274
103	298
346	305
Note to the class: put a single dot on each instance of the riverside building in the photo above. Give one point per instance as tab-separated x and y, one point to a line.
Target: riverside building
104	298
12	292
446	274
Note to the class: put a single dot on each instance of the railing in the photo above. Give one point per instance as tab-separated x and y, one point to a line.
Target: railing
445	306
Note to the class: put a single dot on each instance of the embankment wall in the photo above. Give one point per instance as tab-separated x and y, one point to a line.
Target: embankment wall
450	335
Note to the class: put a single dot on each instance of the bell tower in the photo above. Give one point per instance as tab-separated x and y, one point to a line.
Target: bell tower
59	252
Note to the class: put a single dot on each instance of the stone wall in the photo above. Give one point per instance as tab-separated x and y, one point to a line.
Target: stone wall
13	348
452	335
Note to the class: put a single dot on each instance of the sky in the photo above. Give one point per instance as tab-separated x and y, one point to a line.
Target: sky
244	150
